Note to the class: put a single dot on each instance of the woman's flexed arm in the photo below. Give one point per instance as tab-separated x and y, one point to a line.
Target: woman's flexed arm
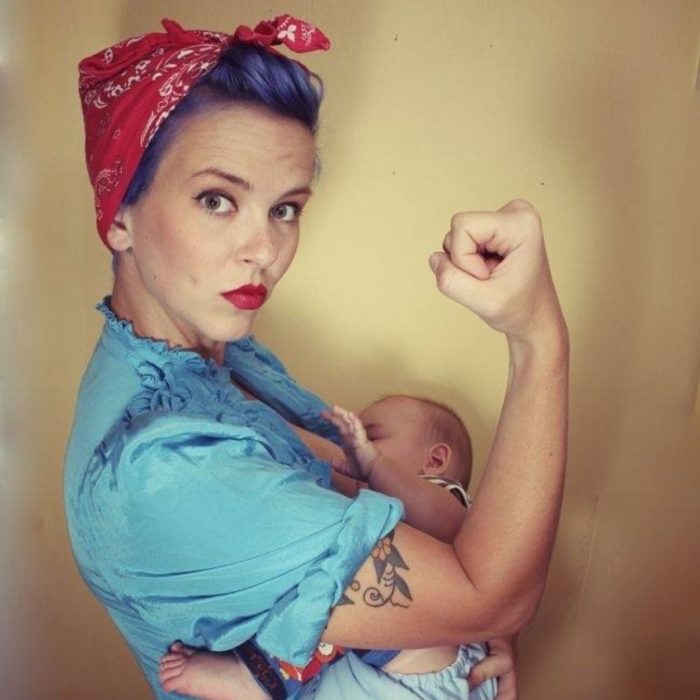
489	581
496	265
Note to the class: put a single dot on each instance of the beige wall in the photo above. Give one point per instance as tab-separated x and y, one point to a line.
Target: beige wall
588	109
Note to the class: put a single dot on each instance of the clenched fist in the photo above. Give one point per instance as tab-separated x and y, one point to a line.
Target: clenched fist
495	264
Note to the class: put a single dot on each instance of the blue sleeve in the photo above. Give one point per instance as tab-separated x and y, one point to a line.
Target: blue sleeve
218	543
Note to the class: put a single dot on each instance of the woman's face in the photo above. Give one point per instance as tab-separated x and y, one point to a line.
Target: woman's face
221	214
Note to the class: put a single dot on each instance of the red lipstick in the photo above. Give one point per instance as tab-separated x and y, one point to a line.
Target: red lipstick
248	297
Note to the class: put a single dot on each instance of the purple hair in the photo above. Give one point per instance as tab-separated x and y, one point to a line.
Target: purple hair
245	74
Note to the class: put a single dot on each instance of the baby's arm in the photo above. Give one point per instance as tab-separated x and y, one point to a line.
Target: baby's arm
428	508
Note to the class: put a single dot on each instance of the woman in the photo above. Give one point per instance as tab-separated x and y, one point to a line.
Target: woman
196	509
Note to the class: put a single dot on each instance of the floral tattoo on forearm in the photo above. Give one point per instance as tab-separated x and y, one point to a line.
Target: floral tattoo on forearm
391	587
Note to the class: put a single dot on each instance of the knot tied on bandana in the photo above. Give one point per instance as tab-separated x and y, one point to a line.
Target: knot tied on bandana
128	90
295	34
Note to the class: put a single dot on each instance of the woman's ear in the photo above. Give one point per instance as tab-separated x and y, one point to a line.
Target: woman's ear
119	234
438	459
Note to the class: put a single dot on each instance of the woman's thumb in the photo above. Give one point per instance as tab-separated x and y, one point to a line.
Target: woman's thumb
434	261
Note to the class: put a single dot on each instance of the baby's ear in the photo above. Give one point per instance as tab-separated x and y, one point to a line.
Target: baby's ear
119	234
438	459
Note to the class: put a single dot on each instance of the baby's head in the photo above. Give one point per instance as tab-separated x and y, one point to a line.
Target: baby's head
423	436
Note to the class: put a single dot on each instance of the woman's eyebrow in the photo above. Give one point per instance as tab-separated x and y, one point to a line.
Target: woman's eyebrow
235	179
242	182
297	190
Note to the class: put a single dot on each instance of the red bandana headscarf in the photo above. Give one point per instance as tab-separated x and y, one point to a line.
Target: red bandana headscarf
129	89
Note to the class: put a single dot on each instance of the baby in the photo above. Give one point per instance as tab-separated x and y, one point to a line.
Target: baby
392	445
422	437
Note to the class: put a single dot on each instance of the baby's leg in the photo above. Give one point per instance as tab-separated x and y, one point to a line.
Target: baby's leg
208	675
422	660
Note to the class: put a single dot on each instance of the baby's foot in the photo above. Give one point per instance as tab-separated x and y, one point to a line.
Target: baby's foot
207	675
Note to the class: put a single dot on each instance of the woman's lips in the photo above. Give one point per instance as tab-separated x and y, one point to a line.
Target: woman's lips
248	297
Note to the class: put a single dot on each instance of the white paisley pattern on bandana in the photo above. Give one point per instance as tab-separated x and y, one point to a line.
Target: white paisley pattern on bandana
177	85
105	182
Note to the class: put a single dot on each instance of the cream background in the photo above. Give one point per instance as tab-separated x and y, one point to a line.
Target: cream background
589	110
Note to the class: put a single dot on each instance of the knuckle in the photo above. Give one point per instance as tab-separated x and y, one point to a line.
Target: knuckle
447	242
523	204
458	219
530	219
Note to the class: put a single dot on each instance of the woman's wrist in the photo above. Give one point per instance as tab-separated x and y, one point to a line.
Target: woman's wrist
547	342
543	355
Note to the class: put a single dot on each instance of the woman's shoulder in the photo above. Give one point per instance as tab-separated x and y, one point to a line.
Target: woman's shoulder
167	421
163	396
132	380
139	392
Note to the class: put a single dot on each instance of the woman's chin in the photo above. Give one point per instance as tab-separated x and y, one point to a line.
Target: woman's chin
231	330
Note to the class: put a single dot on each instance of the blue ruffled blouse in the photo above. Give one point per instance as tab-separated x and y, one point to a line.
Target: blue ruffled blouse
198	514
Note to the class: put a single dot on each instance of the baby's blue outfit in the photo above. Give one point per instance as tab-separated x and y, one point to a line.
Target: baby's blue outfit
197	514
352	679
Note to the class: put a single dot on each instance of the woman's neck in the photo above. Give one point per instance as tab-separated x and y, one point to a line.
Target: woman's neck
132	302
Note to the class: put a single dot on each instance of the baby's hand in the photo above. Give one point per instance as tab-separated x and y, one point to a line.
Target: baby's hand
350	426
360	453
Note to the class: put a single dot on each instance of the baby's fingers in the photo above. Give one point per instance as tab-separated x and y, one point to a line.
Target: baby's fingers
353	423
352	427
337	419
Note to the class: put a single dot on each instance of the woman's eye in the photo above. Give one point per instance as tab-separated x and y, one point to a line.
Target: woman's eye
286	212
215	203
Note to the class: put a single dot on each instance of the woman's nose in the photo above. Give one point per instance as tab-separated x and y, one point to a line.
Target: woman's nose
259	248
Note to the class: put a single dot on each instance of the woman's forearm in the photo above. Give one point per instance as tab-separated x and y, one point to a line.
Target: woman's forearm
506	543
